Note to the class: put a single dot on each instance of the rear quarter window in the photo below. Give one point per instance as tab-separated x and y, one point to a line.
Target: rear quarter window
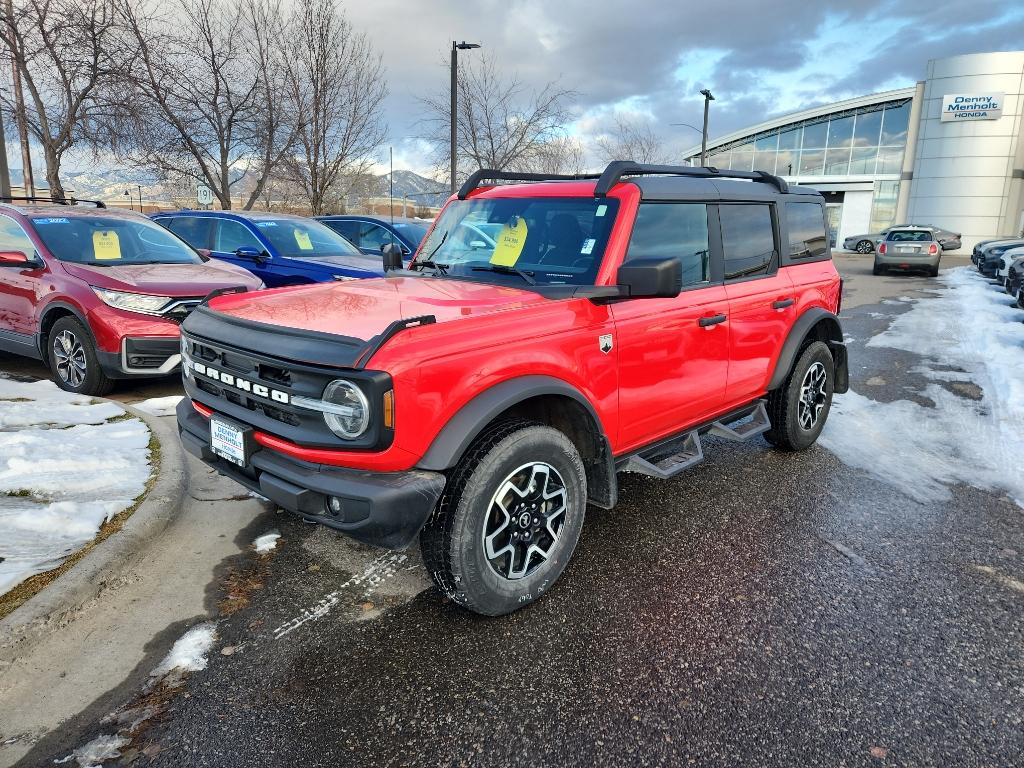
805	223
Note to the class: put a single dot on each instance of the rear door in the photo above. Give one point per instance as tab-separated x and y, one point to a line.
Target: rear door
673	354
20	288
761	296
197	231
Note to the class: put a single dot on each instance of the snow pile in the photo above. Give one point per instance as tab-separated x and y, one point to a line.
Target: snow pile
921	450
266	542
39	403
160	406
58	486
188	654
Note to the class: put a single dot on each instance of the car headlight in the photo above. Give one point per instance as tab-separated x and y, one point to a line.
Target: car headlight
145	303
186	359
345	408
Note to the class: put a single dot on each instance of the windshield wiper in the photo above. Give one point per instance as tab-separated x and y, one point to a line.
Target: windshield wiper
442	268
501	269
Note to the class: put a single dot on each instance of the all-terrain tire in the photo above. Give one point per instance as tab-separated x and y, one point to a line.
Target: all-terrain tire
71	352
453	542
789	431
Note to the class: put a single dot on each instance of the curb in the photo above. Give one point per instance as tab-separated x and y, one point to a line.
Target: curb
110	560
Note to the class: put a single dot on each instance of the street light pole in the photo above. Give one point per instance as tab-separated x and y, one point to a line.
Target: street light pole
456	47
708	98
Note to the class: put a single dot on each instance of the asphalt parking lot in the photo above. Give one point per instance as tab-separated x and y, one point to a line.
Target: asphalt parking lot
761	609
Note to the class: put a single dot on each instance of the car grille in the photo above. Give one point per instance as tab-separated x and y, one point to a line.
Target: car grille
181	309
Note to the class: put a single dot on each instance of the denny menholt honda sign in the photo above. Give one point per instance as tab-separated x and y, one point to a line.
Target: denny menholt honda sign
972	106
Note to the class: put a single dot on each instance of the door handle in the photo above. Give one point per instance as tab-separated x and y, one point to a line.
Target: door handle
707	322
783	303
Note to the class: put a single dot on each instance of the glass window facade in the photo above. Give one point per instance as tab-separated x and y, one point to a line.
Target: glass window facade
883	205
868	141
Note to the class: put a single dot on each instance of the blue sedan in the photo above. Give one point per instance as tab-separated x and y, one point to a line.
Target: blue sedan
277	248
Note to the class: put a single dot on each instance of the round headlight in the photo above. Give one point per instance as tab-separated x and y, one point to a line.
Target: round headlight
352	416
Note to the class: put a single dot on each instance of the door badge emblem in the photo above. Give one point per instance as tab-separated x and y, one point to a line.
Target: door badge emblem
604	343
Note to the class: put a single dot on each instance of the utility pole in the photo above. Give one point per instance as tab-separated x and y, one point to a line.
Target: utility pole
708	98
5	172
456	47
19	105
140	198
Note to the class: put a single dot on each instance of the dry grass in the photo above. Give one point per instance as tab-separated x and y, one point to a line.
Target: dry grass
31	586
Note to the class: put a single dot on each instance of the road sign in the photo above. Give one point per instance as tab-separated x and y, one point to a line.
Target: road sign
204	195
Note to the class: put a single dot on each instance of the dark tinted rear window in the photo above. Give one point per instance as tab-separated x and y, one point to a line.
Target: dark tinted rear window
748	239
806	225
194	230
909	236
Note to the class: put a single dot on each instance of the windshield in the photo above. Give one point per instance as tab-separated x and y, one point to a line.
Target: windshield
108	241
910	236
415	232
298	238
521	240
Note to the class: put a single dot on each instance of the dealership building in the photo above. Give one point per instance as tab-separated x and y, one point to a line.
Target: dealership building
947	152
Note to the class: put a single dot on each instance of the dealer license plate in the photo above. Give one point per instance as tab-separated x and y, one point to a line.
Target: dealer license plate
228	442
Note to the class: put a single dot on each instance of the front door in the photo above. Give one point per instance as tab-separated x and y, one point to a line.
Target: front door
673	354
229	237
19	289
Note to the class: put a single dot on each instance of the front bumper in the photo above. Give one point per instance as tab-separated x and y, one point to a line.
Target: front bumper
142	356
385	509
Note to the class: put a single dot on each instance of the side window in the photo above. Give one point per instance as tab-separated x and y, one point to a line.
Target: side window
194	230
13	237
805	223
663	230
373	236
347	229
748	239
232	235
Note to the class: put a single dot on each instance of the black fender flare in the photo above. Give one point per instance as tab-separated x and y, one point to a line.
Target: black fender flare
795	342
49	309
470	420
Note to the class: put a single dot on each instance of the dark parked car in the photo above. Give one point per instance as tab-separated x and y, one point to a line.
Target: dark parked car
277	248
1014	278
371	233
990	254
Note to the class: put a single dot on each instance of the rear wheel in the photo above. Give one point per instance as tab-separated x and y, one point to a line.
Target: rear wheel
509	518
73	360
865	246
877	270
934	271
799	408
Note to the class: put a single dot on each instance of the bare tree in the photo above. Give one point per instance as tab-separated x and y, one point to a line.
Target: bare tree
208	87
559	155
67	54
337	88
631	139
500	123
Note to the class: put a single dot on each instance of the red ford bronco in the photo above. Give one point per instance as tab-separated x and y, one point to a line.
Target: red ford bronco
547	336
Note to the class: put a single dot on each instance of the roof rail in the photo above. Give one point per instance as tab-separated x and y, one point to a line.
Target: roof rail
489	173
54	200
619	168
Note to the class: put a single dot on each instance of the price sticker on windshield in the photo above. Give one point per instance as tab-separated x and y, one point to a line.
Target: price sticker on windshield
105	245
511	240
302	238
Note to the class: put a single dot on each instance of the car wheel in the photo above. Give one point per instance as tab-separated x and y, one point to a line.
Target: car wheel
865	246
508	520
73	360
799	408
1020	296
877	269
934	271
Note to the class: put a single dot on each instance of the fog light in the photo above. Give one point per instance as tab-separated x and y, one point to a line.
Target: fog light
334	506
135	360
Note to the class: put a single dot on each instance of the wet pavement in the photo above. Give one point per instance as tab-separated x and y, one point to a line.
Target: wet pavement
761	609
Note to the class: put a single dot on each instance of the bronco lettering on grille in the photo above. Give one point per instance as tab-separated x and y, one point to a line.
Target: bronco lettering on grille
229	380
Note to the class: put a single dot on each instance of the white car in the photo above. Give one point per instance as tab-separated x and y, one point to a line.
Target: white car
1008	257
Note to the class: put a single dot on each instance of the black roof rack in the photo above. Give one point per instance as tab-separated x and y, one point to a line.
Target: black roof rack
619	168
54	200
489	173
614	173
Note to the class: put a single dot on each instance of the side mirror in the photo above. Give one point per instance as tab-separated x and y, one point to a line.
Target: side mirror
204	253
255	254
392	256
651	278
15	259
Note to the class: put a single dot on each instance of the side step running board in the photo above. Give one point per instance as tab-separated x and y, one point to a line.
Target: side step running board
669	459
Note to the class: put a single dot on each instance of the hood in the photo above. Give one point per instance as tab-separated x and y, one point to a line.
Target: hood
361	309
367	264
164	279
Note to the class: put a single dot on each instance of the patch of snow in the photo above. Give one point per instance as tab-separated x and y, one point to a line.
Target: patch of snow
923	450
160	406
105	747
188	654
266	542
58	486
43	403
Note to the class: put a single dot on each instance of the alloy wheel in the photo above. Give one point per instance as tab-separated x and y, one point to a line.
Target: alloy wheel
812	396
865	246
69	356
524	519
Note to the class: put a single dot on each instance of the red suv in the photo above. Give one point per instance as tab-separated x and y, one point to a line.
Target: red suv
99	294
547	336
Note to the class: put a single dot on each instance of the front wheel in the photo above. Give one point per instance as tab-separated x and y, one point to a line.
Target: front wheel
73	360
508	520
799	408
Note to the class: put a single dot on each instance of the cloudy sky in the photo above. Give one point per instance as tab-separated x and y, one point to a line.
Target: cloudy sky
647	59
